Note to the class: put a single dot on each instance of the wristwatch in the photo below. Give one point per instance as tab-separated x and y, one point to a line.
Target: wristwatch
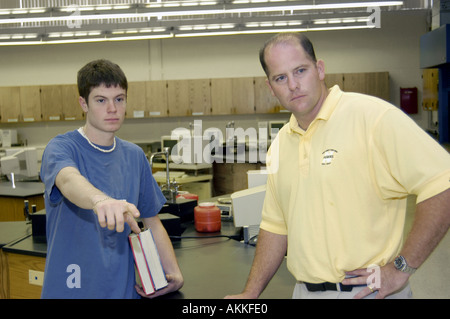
401	264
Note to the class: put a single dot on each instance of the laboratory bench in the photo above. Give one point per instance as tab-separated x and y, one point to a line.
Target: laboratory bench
14	267
12	199
213	264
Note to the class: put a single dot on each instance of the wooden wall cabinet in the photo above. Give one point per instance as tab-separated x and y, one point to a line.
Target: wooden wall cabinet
71	108
51	102
334	79
265	102
136	105
221	96
30	103
60	102
10	104
196	97
243	96
430	98
371	83
199	97
20	104
156	98
232	96
178	98
189	97
374	83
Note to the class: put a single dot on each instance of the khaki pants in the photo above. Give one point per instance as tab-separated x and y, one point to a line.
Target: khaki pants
300	292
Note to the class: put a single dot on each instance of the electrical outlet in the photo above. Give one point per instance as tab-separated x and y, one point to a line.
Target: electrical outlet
35	277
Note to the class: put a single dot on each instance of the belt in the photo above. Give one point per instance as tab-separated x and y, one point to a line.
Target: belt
324	286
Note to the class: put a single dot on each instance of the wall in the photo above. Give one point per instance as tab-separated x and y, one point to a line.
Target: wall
394	48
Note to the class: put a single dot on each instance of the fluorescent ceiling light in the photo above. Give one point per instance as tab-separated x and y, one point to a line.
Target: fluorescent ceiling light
341	28
87	40
183	12
249	9
274	23
37	10
241	32
19	11
121	7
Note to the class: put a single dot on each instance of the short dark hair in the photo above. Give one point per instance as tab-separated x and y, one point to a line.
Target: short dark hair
286	37
100	72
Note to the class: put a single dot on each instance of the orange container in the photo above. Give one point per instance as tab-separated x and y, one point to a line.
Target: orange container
207	218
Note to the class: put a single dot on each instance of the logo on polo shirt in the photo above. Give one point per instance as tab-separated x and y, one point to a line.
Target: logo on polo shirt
328	156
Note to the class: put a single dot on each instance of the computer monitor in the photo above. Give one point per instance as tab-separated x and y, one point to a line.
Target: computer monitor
247	211
22	162
248	205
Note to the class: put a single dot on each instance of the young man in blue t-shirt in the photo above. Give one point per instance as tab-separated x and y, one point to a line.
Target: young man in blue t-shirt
95	186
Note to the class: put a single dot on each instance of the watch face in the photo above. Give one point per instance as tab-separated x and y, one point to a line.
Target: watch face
398	262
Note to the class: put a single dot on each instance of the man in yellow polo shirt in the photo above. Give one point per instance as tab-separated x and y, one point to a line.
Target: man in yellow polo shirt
339	175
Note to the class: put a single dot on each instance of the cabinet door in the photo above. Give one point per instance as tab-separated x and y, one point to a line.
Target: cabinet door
199	97
221	96
136	106
375	83
334	79
243	96
30	103
51	102
10	104
265	102
178	98
156	98
430	89
71	109
19	266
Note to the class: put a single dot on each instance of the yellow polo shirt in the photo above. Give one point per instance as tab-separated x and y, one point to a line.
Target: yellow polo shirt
338	190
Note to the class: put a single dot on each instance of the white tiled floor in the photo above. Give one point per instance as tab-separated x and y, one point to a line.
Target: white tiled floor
432	279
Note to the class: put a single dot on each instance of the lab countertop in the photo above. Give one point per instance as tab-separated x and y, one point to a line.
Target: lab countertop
212	266
215	267
13	231
22	189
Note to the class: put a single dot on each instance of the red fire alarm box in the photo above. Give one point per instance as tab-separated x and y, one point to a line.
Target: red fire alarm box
408	100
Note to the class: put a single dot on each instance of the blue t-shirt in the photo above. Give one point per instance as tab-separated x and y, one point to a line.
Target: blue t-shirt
85	260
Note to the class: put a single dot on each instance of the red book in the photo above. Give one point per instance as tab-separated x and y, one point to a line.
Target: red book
150	273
